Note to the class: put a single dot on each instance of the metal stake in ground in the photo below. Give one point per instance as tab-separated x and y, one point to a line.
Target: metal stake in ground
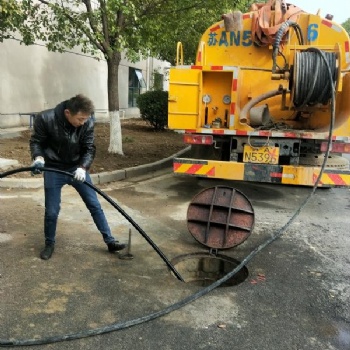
127	255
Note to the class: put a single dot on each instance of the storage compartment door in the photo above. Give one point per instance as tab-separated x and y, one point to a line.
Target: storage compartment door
183	105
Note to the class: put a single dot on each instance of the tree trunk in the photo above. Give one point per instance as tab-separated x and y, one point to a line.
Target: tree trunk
115	140
115	132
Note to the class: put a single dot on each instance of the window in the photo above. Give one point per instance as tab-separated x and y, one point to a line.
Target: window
136	83
158	81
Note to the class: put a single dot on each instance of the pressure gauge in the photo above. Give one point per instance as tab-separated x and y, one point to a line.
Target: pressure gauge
206	98
226	99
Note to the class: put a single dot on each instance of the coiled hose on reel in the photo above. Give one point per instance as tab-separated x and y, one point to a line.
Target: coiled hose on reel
311	83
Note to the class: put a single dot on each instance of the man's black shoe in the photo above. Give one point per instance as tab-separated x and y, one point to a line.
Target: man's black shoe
47	252
115	246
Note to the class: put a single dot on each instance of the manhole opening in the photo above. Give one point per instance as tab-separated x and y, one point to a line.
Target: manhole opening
203	269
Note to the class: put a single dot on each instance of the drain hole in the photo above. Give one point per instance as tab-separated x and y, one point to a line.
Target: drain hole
202	269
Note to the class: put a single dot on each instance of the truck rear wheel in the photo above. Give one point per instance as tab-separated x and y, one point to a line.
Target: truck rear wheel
333	161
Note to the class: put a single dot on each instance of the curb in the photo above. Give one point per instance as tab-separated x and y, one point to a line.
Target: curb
100	178
10	133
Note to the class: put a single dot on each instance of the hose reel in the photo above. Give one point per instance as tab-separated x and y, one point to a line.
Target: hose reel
311	84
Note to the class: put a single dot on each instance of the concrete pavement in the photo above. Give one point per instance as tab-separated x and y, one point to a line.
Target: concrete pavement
296	296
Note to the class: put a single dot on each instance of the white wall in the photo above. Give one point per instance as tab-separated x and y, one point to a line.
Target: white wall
33	79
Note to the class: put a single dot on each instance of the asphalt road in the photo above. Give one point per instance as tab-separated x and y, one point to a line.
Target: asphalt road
296	295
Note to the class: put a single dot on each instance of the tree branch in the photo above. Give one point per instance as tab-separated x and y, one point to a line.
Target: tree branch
148	10
89	11
105	28
83	29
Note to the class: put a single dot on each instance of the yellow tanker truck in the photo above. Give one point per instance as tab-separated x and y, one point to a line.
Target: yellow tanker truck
266	100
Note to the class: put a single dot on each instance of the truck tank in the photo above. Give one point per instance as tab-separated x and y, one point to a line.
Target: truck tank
267	90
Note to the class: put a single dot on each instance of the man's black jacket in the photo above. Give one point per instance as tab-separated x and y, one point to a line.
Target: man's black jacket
62	145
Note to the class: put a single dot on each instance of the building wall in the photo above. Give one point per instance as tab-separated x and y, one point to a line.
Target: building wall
33	79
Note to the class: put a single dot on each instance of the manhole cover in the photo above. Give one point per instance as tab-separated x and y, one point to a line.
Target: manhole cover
220	217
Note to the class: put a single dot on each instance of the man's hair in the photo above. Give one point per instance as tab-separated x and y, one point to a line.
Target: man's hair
80	103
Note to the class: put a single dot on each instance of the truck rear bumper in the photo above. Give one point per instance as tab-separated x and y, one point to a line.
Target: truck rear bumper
282	174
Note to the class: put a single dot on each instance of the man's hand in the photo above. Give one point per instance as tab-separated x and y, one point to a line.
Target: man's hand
38	164
80	174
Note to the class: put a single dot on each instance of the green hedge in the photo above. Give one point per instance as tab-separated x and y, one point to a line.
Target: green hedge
153	107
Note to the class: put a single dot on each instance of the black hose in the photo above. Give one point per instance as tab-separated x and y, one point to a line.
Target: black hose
202	292
313	82
110	201
278	38
277	43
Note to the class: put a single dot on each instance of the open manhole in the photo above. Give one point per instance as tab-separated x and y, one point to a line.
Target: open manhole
203	269
219	217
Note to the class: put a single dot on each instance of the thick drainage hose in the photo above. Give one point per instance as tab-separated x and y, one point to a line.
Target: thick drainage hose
195	296
243	118
114	204
165	311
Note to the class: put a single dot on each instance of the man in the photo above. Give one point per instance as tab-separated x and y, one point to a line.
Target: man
63	138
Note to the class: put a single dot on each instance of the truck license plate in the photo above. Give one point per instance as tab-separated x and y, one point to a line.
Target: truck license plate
264	155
